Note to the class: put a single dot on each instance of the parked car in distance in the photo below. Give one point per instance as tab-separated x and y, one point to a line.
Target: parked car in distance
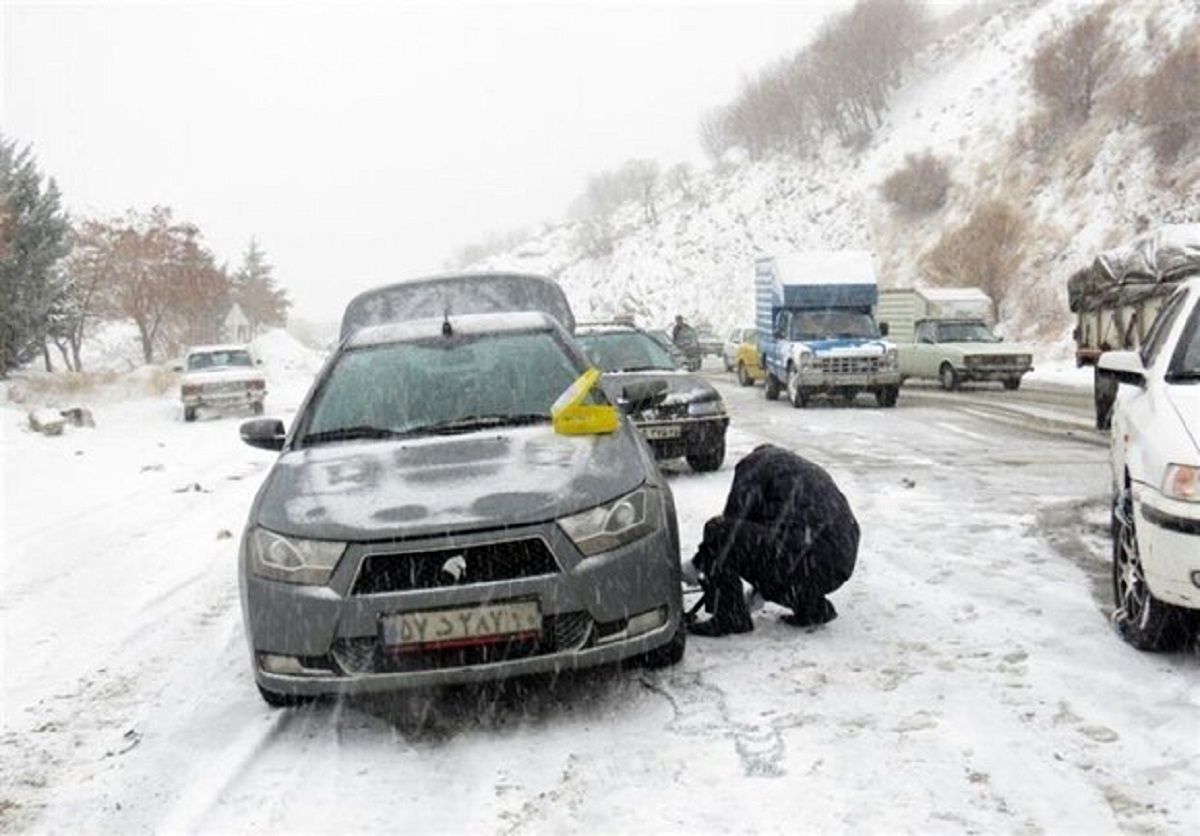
220	377
743	357
689	421
957	351
1155	457
710	343
429	522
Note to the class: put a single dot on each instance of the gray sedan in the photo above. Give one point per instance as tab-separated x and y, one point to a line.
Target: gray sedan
425	524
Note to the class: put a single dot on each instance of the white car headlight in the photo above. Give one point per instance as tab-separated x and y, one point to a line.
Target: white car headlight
1182	482
713	407
616	523
807	361
890	359
291	559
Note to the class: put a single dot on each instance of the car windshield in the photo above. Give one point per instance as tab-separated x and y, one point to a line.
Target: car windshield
965	332
822	325
445	385
626	351
1186	364
218	359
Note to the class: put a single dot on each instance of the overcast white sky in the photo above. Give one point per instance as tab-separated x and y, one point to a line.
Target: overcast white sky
361	143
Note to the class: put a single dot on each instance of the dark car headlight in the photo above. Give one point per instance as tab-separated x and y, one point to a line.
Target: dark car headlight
614	524
291	559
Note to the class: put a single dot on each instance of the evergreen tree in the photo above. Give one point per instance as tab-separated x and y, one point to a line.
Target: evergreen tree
33	240
255	290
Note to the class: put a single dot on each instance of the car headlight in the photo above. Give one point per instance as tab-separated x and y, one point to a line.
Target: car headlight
709	407
1025	359
614	524
1182	482
291	559
807	361
890	359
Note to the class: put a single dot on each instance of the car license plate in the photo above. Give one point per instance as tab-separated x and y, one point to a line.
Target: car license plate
660	433
463	627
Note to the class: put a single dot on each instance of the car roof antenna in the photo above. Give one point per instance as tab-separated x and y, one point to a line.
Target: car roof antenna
447	331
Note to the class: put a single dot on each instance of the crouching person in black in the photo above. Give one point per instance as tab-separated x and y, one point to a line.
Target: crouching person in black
787	531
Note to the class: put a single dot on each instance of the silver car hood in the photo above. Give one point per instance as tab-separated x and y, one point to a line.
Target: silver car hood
392	489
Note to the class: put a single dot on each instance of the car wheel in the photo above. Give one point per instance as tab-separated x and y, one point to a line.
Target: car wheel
189	413
709	458
796	394
1142	620
1104	393
1012	383
670	653
257	408
278	700
887	396
771	387
743	376
949	377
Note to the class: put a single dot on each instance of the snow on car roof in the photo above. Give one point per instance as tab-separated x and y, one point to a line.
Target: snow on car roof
955	294
470	324
210	349
585	329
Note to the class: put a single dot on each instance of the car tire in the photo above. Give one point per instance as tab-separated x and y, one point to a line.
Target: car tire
278	700
1012	383
1104	393
887	396
189	413
709	458
257	408
796	395
1141	619
949	377
771	387
670	653
743	376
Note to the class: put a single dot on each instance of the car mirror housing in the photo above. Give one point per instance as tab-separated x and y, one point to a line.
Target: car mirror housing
884	328
636	397
1125	366
263	433
570	415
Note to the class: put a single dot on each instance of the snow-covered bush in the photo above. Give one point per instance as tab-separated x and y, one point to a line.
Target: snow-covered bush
920	185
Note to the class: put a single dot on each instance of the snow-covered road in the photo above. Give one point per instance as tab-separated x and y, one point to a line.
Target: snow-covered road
971	683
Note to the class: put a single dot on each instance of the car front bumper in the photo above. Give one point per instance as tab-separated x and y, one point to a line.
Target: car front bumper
229	399
586	608
834	380
673	439
1169	546
992	372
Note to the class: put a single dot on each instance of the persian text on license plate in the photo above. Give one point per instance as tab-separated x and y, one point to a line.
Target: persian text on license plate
658	433
462	627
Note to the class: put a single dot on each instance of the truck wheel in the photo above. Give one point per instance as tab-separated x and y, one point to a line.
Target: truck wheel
1142	620
743	376
949	377
796	395
1012	383
887	396
771	387
189	413
708	458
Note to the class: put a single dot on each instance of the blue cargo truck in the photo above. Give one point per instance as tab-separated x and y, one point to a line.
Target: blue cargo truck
817	335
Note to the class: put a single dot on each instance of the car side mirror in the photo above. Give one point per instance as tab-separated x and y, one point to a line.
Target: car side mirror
883	329
643	395
258	362
177	367
263	433
926	340
1125	366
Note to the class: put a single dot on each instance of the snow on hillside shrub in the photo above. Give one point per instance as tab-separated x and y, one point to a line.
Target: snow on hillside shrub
986	252
1073	61
1172	96
920	185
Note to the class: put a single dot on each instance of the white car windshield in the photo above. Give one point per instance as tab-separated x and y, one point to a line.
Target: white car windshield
965	332
447	385
218	360
1185	367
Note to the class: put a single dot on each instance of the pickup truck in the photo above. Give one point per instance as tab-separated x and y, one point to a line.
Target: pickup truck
817	335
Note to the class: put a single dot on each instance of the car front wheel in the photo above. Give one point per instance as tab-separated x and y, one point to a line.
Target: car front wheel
743	376
1142	620
670	653
887	396
948	377
771	387
1012	383
796	394
708	458
189	413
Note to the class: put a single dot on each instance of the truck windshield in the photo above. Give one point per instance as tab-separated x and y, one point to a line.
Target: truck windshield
626	351
965	332
829	325
440	386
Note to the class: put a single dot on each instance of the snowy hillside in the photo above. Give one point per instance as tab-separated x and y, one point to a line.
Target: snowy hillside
968	100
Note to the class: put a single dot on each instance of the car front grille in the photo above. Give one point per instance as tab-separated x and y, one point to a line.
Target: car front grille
991	360
484	563
560	632
847	365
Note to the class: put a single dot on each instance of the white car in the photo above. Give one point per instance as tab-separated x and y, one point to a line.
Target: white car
1156	477
221	377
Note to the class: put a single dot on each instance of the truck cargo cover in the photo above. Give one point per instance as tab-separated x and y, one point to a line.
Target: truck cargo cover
1138	269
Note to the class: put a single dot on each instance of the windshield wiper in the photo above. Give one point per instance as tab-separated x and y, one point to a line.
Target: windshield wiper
643	369
470	423
358	432
1189	376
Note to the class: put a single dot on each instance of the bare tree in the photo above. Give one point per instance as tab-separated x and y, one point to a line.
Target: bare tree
1073	61
1172	98
987	251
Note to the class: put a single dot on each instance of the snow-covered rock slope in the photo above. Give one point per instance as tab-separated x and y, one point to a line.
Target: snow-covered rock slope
967	98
